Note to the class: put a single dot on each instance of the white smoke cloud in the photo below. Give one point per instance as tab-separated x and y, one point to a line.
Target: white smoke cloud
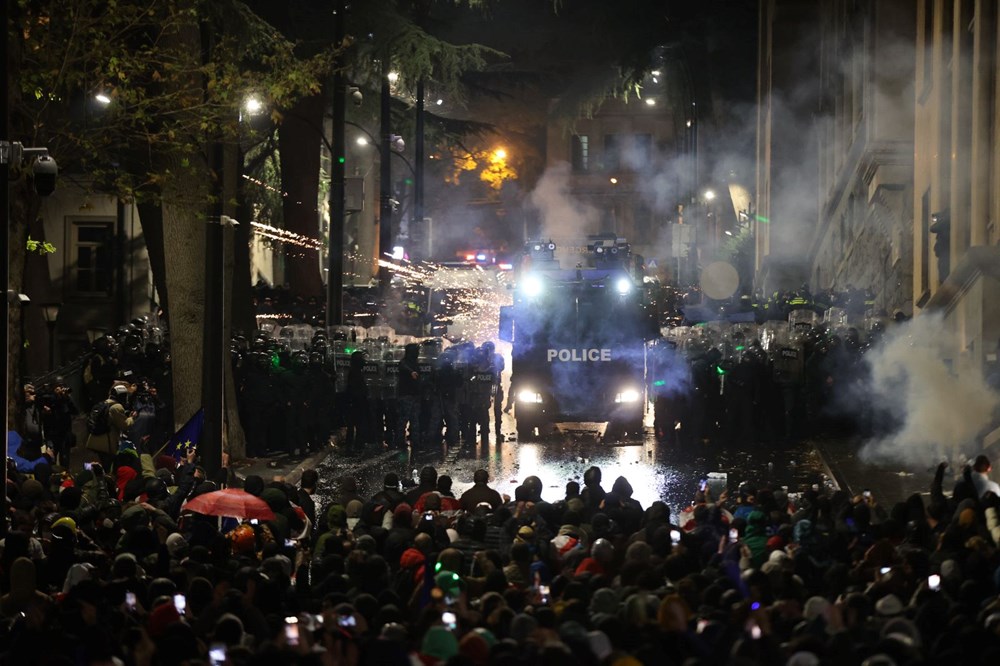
940	413
561	217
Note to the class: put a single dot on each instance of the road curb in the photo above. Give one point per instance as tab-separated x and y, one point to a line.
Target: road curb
293	475
838	477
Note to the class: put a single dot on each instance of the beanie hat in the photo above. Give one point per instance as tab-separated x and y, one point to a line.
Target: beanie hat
439	643
474	648
487	635
162	617
176	544
600	644
336	516
32	489
522	626
889	605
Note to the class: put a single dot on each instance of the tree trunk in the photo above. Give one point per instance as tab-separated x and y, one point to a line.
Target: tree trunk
151	221
299	146
184	243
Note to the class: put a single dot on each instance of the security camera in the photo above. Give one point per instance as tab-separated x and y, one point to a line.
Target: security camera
356	96
44	171
396	143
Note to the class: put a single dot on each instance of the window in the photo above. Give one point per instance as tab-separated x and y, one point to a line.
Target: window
581	153
925	240
92	270
612	152
641	153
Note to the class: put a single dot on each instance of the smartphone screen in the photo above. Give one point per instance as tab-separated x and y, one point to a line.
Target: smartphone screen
347	621
180	603
449	620
885	570
543	592
703	485
217	654
292	630
88	466
130	600
675	536
934	582
734	535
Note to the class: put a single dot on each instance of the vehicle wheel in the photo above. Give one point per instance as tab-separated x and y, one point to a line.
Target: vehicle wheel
525	429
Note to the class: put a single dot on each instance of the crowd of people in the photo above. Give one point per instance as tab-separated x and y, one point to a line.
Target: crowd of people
112	567
766	383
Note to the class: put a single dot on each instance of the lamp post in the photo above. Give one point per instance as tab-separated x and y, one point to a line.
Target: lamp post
50	311
337	203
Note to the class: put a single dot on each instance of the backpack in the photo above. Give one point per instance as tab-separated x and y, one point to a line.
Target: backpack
97	418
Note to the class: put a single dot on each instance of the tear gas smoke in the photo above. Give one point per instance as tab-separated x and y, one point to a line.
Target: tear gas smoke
562	218
940	413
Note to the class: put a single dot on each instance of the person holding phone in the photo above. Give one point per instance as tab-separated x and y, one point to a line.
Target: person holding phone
106	423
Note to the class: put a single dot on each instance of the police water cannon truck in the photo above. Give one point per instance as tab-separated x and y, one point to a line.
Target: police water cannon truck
578	337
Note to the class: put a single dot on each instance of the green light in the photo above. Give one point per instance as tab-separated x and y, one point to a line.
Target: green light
275	361
340	160
719	370
761	218
409	181
454	576
659	382
348	350
740	348
437	567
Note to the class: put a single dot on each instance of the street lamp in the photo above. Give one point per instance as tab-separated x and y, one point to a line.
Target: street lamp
50	311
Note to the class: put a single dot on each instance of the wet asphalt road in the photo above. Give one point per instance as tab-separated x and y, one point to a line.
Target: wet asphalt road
656	471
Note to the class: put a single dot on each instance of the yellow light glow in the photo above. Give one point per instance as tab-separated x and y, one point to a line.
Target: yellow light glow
500	154
614	181
393	77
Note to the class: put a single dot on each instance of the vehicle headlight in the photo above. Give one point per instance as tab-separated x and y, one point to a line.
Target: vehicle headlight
628	395
532	286
623	286
529	396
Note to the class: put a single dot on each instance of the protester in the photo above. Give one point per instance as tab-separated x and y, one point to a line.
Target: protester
810	577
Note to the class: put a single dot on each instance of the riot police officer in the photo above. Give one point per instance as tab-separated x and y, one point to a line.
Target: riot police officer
482	387
358	409
496	367
447	385
408	398
319	401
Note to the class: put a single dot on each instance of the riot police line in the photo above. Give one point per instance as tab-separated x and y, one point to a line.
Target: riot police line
772	381
296	385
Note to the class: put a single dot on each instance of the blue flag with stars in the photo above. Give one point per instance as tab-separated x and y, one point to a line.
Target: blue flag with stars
188	436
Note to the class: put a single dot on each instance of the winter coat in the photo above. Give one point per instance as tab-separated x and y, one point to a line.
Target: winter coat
118	422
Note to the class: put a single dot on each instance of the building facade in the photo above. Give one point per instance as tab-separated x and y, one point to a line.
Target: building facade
622	165
956	196
865	121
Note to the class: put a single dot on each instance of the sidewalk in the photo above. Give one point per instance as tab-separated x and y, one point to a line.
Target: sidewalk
287	466
888	483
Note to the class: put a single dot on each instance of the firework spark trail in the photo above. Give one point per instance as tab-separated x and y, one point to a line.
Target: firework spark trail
472	296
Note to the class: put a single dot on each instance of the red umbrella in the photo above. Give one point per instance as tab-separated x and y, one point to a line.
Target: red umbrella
231	503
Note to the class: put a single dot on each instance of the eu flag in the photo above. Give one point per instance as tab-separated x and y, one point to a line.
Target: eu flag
188	436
